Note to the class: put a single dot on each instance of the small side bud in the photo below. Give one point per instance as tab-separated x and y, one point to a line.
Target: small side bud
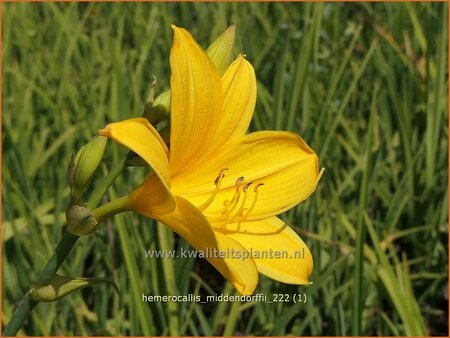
159	109
86	163
148	113
220	50
80	220
61	286
151	92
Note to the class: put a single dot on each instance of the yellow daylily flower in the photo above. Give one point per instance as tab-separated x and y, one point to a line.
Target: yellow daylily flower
215	185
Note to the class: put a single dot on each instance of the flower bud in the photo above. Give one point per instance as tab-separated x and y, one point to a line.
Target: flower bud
86	163
80	220
220	50
61	286
159	109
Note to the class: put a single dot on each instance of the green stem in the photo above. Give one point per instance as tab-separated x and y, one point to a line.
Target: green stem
112	208
66	244
25	307
109	179
20	316
60	254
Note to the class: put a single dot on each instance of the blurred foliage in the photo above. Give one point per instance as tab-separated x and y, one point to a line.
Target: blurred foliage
364	83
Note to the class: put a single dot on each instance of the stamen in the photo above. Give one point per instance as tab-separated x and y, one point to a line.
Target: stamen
237	186
244	190
228	210
217	183
229	207
229	216
252	206
236	209
247	186
320	174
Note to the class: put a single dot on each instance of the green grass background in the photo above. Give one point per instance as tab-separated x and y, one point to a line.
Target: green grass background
364	83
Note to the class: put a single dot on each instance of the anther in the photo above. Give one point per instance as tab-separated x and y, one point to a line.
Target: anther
247	186
235	210
257	186
320	174
217	183
220	177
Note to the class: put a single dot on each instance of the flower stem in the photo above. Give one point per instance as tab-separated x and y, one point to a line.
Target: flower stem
20	316
111	208
25	307
65	245
109	179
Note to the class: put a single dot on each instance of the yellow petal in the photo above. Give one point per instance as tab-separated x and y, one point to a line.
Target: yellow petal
240	269
140	136
277	250
220	54
281	161
152	197
196	100
239	86
190	224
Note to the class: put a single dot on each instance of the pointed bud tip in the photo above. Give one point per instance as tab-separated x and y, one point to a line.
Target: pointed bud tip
61	286
105	131
176	29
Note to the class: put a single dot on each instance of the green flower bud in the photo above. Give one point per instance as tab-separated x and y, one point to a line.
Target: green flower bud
61	286
159	109
220	50
163	100
86	163
151	92
80	220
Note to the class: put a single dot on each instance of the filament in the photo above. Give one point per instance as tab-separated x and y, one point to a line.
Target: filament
217	183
